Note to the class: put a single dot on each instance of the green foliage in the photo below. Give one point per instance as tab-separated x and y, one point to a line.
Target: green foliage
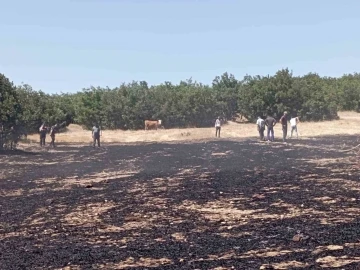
187	104
39	107
89	107
318	103
309	97
126	107
226	92
10	108
347	91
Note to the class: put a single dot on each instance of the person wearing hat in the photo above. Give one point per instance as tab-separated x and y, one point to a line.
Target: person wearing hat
283	121
217	126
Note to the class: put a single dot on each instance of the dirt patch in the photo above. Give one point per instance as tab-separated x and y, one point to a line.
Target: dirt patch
221	204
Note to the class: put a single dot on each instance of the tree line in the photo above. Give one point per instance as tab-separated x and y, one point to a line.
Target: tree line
187	104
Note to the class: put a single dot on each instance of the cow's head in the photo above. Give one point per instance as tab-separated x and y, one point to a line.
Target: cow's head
159	122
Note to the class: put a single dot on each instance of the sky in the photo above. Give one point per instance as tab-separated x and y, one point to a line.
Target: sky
65	46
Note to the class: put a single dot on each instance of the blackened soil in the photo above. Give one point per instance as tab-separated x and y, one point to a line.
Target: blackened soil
202	205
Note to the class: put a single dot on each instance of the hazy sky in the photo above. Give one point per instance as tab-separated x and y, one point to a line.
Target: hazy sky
66	45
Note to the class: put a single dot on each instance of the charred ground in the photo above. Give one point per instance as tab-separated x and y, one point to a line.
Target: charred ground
200	205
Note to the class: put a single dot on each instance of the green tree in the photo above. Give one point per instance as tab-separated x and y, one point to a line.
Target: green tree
308	97
188	103
225	89
89	108
10	107
39	107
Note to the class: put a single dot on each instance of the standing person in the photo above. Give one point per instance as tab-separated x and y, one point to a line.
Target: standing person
96	134
283	121
13	138
54	129
217	127
52	134
43	130
260	123
270	122
293	123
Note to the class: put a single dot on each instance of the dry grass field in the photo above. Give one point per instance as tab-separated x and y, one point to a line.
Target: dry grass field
184	200
349	124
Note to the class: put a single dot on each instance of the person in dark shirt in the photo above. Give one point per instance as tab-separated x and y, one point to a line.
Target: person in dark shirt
43	130
283	121
55	129
270	122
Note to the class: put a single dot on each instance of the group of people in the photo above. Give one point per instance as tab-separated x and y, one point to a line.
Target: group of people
270	122
44	129
261	124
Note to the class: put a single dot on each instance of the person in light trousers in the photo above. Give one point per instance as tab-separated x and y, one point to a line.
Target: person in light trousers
217	127
293	123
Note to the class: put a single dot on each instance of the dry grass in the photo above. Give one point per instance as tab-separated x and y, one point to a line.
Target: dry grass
348	124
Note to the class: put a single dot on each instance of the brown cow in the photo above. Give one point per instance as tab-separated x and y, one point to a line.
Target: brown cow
152	124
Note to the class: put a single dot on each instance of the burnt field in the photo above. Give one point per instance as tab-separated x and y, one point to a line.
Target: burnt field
220	204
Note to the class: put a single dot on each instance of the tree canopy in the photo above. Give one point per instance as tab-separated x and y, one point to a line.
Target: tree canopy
10	105
187	104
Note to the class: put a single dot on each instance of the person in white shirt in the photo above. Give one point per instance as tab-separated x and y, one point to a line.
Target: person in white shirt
260	123
217	127
293	122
